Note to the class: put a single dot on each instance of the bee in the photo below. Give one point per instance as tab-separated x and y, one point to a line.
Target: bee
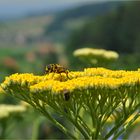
56	68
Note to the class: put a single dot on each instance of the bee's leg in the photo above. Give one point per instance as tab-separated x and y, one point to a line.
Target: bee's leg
61	77
67	75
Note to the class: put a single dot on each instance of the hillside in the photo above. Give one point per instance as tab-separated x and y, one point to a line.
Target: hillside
118	30
55	27
20	32
23	37
74	18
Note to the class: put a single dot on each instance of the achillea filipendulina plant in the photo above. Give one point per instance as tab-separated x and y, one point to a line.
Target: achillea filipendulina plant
97	57
87	100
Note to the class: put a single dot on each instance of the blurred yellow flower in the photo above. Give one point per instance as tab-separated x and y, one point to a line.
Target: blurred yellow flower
95	56
106	54
6	110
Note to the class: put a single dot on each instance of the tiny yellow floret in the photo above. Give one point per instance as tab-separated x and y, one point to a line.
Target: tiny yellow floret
96	78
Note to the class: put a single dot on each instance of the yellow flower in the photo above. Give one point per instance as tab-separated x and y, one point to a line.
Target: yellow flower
96	54
21	80
98	78
95	92
6	110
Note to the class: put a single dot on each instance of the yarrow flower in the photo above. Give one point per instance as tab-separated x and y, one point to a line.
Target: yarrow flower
7	110
95	93
89	78
107	54
95	56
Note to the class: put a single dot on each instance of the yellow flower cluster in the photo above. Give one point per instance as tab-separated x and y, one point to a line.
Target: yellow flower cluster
21	79
6	110
105	54
109	94
96	78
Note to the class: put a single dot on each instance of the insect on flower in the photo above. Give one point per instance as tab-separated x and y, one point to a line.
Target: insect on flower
56	68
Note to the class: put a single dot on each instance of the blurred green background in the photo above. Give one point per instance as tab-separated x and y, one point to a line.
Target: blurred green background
36	33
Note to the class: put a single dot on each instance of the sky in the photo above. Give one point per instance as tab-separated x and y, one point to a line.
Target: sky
11	8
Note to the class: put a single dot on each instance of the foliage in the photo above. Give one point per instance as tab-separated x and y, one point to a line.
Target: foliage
58	30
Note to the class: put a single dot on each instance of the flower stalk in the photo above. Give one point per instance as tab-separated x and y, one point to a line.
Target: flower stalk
91	100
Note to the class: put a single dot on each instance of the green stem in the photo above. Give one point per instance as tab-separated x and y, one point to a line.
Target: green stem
120	123
126	126
35	128
84	125
3	130
108	115
92	112
74	120
76	124
56	123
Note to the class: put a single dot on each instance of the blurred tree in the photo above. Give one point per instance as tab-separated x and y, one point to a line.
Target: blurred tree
118	30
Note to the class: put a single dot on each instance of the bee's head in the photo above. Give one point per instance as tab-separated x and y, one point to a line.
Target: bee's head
48	69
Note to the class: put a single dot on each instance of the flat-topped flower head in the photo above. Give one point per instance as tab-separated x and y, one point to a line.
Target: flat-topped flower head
107	54
94	93
20	80
96	56
89	78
